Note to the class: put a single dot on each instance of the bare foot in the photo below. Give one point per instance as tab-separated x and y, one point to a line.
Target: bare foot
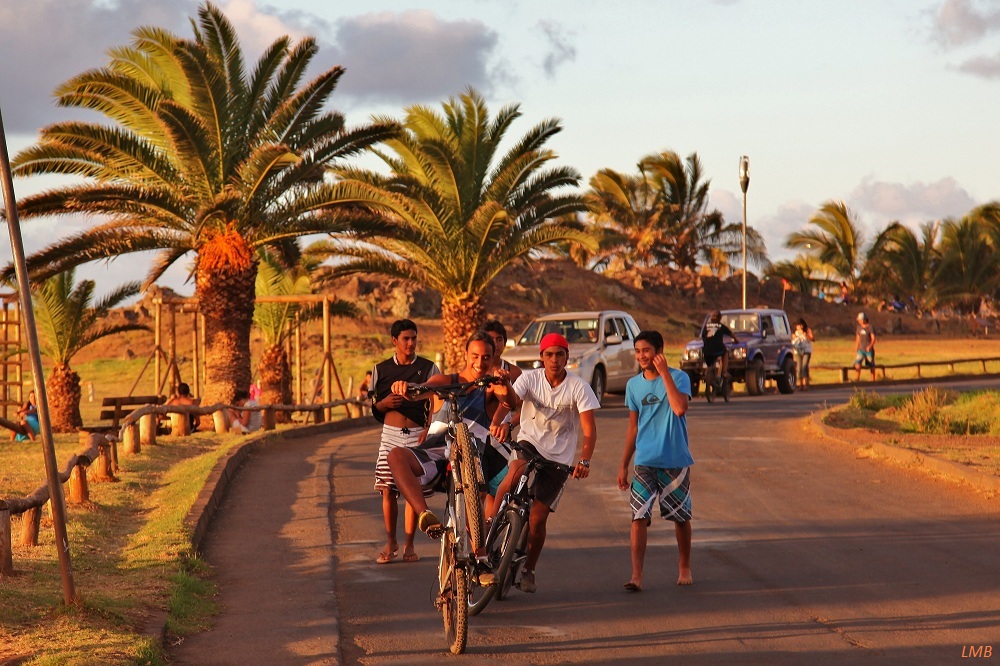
684	578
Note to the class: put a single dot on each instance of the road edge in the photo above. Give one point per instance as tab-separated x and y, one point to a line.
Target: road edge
206	506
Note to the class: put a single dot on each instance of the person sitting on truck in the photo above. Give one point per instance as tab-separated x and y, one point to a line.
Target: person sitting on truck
714	344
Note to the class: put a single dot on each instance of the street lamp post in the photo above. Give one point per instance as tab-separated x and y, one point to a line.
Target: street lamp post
744	184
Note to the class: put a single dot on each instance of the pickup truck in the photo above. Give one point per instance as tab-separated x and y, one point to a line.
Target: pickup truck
764	351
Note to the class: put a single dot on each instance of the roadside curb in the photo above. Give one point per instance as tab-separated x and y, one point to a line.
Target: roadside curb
204	509
947	468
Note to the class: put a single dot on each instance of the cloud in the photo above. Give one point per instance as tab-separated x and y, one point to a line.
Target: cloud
412	56
961	22
911	204
790	217
561	50
45	42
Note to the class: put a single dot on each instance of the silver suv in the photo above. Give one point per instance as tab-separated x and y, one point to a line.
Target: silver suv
601	346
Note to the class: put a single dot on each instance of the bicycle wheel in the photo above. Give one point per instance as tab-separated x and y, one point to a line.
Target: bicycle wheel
508	536
710	384
451	599
468	464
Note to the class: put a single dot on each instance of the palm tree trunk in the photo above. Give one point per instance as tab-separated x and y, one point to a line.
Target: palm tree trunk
224	281
275	380
460	317
64	394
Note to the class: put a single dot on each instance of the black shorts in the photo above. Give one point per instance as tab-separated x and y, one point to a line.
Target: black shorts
549	481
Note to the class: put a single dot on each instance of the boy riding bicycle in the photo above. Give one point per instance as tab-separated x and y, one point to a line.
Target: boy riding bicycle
714	344
416	468
556	406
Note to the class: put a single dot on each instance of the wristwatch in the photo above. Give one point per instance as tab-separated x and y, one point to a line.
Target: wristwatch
585	463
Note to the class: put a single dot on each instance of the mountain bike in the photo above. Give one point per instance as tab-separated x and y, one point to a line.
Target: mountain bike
463	517
507	541
716	383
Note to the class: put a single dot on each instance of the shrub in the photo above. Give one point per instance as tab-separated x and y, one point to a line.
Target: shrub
924	412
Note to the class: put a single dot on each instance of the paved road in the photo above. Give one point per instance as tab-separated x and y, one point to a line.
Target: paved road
804	550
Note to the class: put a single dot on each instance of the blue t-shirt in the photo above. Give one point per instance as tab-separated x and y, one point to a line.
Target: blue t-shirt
662	440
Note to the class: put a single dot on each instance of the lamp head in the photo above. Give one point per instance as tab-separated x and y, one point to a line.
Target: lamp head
744	173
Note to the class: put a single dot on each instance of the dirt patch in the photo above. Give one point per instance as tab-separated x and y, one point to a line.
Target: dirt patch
979	452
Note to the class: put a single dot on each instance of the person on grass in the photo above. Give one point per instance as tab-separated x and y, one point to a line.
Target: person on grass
657	436
556	407
403	425
864	346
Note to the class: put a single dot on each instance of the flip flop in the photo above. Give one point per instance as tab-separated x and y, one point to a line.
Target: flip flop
632	587
411	557
385	558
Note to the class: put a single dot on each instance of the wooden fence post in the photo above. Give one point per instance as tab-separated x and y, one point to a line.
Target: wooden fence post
147	429
180	424
130	439
267	419
104	469
79	492
6	554
31	523
219	419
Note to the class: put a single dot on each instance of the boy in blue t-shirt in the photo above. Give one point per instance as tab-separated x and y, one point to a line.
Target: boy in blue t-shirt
657	400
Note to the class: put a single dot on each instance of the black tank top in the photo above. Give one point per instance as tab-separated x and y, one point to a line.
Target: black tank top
388	371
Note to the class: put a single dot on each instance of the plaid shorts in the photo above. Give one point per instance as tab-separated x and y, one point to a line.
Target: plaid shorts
670	488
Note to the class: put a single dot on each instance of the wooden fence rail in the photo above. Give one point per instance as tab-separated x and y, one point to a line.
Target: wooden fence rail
138	427
917	365
95	448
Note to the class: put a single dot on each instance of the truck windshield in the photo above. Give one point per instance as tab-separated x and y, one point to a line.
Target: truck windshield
742	323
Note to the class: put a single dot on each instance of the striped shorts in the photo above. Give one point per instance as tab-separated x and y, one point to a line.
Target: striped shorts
392	438
670	488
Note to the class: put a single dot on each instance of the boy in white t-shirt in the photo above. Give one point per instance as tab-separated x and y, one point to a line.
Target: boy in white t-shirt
556	406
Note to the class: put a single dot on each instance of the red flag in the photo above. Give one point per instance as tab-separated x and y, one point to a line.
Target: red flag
786	284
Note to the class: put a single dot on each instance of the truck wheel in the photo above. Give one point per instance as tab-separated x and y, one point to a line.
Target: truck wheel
755	377
694	384
786	380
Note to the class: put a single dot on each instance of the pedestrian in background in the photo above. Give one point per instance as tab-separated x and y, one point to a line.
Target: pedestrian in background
802	350
864	345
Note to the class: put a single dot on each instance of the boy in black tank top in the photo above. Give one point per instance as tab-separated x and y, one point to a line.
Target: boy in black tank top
403	423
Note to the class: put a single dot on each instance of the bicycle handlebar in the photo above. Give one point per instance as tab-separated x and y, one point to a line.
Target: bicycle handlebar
446	391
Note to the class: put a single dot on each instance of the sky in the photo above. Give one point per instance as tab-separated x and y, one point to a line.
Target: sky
891	107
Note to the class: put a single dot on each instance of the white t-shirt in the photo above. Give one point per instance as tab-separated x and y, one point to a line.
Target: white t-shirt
550	417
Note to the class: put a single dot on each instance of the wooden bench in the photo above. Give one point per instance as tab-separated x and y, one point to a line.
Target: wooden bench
123	406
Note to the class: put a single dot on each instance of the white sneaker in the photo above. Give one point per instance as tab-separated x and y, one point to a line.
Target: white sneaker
527	583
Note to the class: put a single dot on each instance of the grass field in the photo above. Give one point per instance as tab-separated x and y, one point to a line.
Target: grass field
892	350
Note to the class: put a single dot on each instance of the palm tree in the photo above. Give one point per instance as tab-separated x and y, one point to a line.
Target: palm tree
901	263
458	210
202	157
836	240
659	216
970	264
277	320
68	323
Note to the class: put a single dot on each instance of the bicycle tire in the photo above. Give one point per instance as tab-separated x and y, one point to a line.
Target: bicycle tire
510	531
451	599
710	384
467	455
